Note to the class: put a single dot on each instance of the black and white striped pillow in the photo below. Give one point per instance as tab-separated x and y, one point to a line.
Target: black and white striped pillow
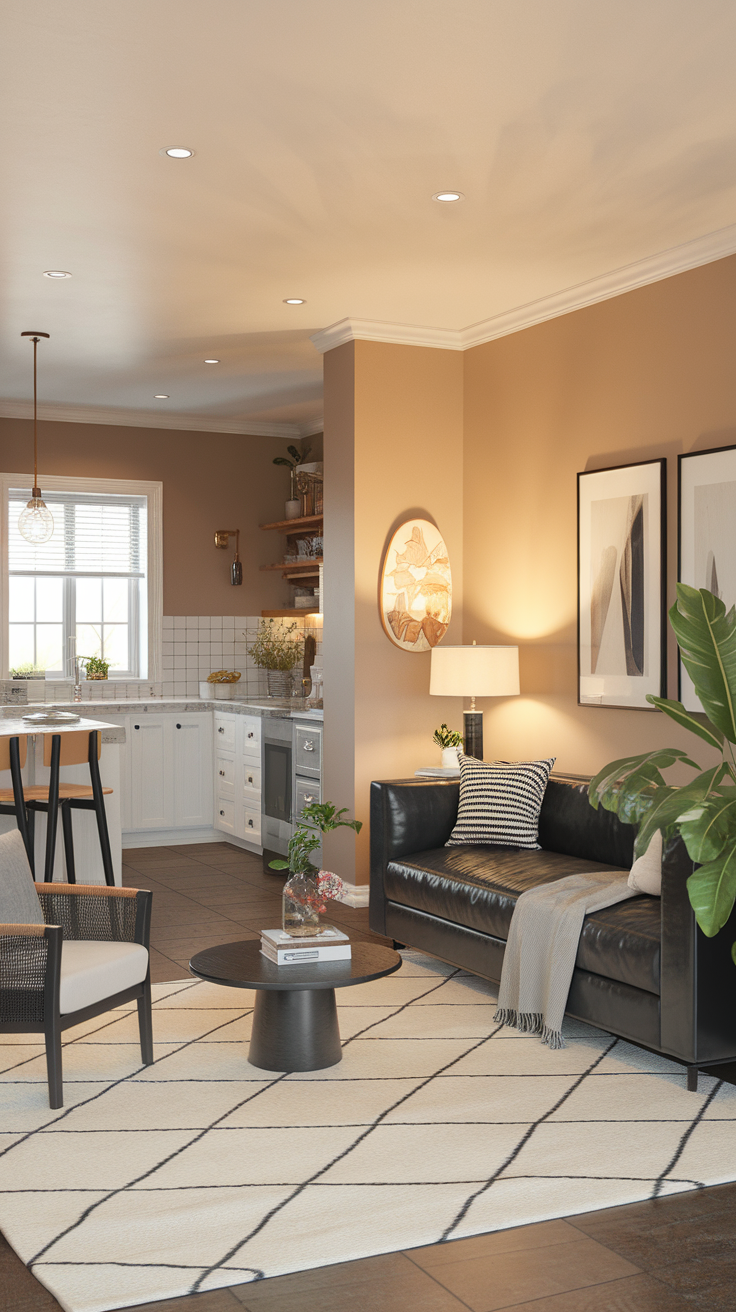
500	802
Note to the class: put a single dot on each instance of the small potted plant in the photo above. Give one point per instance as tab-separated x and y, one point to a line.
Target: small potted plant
31	683
95	667
449	740
293	505
307	889
277	650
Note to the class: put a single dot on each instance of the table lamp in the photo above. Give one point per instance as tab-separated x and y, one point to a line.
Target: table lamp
474	672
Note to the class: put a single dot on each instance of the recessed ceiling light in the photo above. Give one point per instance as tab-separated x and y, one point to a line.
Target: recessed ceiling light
56	273
448	195
161	396
176	152
212	361
294	300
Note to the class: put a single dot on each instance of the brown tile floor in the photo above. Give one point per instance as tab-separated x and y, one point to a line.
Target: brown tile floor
667	1256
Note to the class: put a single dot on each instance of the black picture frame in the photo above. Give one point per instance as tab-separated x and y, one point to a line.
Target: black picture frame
622	585
706	534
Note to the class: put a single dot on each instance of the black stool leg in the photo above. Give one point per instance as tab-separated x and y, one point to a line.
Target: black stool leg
53	812
145	1023
21	816
99	800
66	825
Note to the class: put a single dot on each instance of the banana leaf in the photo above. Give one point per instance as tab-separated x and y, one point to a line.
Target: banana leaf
707	640
709	827
677	712
712	891
626	786
669	804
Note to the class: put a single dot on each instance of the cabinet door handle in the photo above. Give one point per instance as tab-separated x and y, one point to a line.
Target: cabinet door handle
250	778
222	813
222	772
250	823
308	746
251	735
308	797
178	726
136	726
220	730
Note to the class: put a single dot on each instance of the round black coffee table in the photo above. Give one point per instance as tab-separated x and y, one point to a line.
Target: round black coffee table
295	1018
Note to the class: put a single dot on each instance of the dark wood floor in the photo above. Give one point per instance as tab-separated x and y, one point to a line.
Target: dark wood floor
667	1256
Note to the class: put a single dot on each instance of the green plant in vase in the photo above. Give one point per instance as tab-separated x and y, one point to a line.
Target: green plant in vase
95	667
449	740
703	811
308	889
276	650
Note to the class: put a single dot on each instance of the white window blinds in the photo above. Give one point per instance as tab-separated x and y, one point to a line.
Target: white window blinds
93	535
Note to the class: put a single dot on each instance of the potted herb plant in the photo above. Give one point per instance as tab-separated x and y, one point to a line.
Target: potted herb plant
277	650
95	667
703	811
449	740
307	889
293	505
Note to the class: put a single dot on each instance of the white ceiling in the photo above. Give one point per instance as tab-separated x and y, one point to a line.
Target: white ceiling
585	135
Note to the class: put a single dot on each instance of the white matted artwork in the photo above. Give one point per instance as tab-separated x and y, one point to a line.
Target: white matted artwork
707	533
416	587
621	585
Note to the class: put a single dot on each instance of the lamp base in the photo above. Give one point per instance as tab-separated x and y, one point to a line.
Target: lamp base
473	734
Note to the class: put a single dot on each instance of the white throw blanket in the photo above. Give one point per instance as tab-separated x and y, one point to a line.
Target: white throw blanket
542	947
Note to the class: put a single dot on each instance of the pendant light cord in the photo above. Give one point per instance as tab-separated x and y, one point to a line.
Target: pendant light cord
36	492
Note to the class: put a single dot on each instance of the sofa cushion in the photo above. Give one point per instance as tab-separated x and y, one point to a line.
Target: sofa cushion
500	801
92	970
478	887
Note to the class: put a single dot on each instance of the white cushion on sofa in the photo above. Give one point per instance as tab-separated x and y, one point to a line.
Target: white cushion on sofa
92	970
646	873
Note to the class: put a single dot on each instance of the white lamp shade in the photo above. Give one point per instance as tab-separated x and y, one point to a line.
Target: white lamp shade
474	672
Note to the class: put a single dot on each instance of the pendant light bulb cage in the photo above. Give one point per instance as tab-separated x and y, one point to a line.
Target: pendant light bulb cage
35	523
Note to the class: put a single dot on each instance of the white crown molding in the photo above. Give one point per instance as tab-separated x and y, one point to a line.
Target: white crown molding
75	414
311	429
399	334
654	268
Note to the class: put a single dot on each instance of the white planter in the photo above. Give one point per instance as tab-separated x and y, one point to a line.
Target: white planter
293	509
207	691
223	691
449	758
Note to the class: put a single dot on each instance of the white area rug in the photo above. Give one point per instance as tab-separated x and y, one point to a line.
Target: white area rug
202	1171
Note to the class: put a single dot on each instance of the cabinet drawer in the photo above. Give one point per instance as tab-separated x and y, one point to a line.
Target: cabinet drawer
225	815
308	750
252	784
251	824
225	777
305	792
251	739
225	732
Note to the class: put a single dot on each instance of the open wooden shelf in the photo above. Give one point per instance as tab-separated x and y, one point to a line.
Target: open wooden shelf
302	613
295	525
303	565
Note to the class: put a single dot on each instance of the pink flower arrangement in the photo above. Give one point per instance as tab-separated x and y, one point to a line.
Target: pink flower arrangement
324	887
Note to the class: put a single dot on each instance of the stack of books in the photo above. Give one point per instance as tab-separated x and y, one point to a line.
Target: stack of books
284	950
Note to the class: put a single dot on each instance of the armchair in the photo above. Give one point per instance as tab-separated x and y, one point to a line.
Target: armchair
87	954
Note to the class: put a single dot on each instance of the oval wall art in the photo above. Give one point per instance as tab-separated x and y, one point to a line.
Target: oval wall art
416	587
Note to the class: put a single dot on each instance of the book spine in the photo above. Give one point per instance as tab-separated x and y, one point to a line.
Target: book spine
292	956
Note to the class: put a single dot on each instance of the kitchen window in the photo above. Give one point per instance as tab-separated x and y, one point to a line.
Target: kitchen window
95	584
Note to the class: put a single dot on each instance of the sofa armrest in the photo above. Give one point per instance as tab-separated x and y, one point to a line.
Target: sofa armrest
96	911
407	815
30	968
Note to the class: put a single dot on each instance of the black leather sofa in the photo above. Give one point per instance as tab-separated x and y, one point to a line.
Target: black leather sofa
644	971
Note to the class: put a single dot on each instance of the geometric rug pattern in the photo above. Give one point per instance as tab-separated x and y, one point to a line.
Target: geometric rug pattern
202	1171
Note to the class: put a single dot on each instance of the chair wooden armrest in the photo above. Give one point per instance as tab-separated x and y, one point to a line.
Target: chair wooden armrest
97	911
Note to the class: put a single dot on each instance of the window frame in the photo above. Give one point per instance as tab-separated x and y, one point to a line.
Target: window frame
154	561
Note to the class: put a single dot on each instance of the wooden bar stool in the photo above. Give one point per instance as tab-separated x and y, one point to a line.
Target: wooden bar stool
71	749
13	752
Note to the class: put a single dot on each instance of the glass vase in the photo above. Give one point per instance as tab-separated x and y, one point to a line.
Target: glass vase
278	682
300	914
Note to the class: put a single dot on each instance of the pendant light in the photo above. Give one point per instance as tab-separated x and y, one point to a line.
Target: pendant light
36	523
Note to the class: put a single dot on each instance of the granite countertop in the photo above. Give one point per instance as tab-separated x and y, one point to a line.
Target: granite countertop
274	707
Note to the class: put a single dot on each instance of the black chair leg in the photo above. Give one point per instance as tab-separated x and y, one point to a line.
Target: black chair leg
145	1023
53	811
99	800
52	1034
66	825
21	815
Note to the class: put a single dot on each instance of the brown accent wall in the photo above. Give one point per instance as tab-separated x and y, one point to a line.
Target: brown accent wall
651	373
393	449
210	481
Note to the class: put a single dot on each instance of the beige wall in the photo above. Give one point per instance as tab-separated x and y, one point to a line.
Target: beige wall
210	481
648	374
393	448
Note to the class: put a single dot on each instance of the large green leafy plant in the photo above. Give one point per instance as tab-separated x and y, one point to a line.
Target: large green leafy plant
702	811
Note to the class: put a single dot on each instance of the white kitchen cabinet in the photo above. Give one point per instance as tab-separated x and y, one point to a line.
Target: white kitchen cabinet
192	756
169	772
152	774
237	809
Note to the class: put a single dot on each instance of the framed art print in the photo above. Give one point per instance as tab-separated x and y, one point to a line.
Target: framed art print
706	540
415	591
621	585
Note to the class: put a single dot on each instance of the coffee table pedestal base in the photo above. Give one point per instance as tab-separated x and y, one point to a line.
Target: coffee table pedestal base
295	1030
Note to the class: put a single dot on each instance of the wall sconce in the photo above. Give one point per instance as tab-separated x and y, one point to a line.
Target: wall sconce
222	536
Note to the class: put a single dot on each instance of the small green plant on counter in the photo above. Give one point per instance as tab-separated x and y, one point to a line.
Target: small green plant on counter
445	737
27	671
95	666
275	648
304	840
